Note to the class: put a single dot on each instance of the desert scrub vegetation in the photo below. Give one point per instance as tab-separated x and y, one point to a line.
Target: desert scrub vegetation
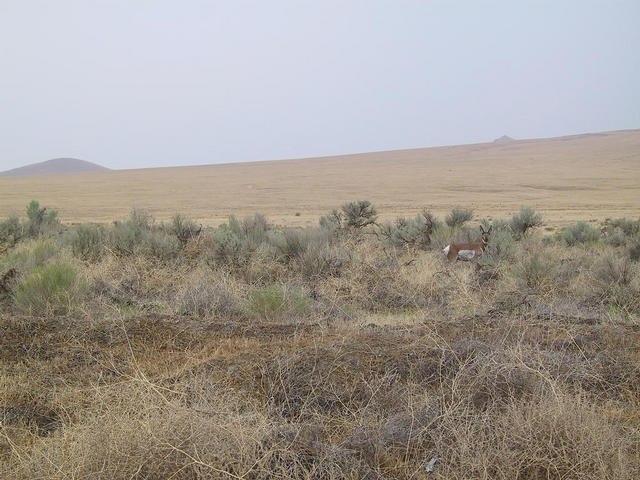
51	289
458	217
524	221
350	349
581	232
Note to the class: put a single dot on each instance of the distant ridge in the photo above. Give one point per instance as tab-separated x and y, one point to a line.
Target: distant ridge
503	138
55	165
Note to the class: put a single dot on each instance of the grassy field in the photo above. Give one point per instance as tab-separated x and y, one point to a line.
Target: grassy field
147	350
583	177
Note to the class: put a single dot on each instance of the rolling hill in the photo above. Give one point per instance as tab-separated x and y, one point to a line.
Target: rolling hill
579	177
55	166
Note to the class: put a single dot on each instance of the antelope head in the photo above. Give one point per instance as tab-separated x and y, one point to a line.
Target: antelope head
485	236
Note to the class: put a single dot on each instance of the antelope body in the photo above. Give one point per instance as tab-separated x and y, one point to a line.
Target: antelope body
467	251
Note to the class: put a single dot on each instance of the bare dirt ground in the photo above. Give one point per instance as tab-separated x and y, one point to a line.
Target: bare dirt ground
580	177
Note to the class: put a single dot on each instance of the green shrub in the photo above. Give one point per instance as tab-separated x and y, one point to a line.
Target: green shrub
332	222
141	219
616	280
31	254
11	231
277	302
414	232
359	214
184	228
159	245
579	233
627	227
88	241
502	249
323	260
291	244
615	239
310	251
236	241
624	232
536	272
123	237
140	235
51	289
228	248
524	221
40	219
252	231
458	217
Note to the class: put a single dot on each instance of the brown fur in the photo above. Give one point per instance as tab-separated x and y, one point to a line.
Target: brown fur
477	247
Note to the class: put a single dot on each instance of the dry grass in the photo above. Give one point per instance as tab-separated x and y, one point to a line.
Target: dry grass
318	354
179	367
583	177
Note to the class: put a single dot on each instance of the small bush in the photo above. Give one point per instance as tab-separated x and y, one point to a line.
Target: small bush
579	233
237	240
323	260
536	272
359	214
627	227
291	244
458	217
141	219
184	228
616	280
11	231
139	235
88	242
251	230
206	298
502	248
52	289
524	221
123	238
126	235
414	232
40	219
332	222
276	302
31	254
159	245
228	248
615	239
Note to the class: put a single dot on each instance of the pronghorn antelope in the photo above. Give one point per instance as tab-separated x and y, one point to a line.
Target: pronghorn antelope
467	251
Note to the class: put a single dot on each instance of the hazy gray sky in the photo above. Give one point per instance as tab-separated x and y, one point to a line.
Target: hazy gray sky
137	83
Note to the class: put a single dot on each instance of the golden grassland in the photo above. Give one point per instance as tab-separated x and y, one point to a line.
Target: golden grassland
582	177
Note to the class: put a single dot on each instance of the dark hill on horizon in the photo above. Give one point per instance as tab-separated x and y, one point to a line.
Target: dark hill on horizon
55	165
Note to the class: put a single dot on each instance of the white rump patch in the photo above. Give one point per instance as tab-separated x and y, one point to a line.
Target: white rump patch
466	254
446	249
